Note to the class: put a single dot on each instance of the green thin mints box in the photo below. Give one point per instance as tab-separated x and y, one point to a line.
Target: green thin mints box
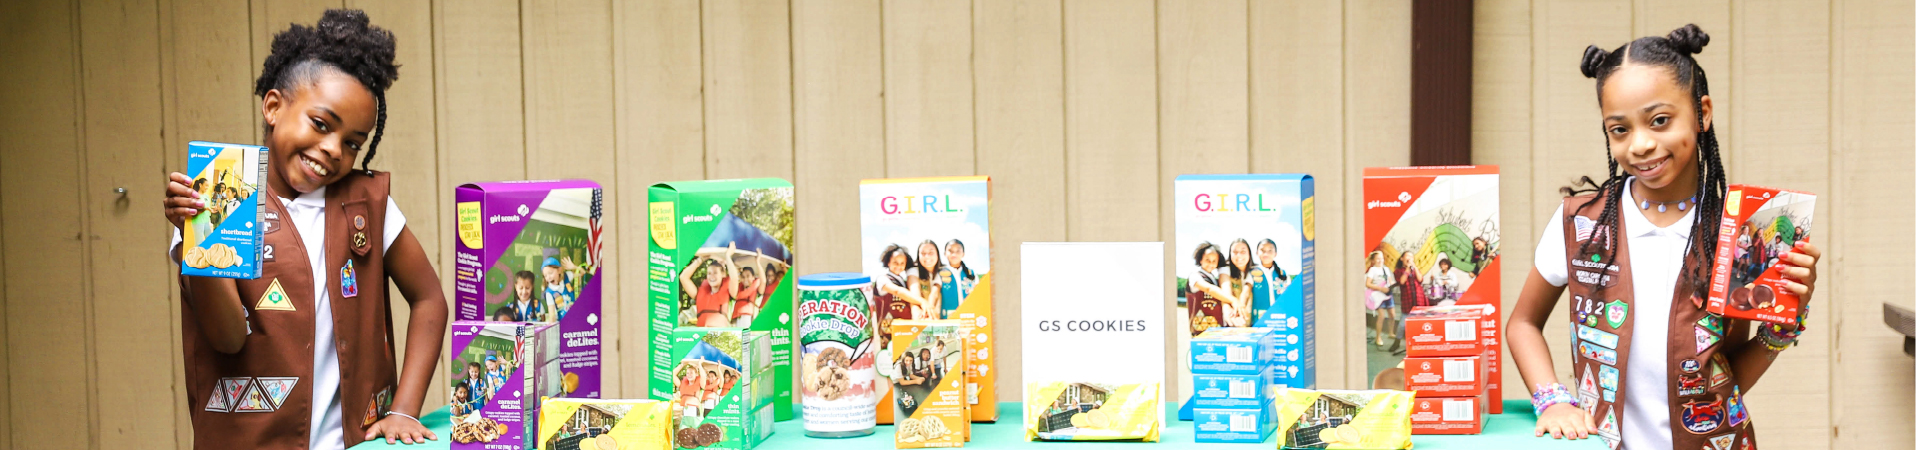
719	255
715	403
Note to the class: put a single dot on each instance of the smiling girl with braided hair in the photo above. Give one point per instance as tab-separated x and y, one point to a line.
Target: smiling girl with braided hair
314	368
1652	369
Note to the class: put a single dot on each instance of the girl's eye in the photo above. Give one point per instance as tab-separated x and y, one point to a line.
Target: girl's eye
319	125
1617	130
1660	121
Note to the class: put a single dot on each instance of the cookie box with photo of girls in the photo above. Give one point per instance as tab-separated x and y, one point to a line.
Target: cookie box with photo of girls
929	384
224	240
499	373
1244	257
1431	238
529	251
719	400
720	254
595	424
1759	225
926	243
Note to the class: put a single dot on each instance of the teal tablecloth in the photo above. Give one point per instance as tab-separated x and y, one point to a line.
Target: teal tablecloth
1513	430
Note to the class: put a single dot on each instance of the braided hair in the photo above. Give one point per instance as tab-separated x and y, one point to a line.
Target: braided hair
343	41
1675	52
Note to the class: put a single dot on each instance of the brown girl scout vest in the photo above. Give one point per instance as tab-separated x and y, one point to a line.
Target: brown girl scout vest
1708	410
260	397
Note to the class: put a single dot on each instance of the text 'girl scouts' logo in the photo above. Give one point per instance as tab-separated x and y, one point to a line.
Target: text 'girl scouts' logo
918	204
1232	203
1701	417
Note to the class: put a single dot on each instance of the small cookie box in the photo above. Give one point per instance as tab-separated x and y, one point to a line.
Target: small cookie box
529	251
929	386
724	388
499	373
1245	426
594	424
1451	415
224	240
1232	391
1760	225
1444	332
720	254
1446	376
1232	350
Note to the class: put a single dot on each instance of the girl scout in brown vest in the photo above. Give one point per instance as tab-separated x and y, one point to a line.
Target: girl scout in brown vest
1652	369
303	356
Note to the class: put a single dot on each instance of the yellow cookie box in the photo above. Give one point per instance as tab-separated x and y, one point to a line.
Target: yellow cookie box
595	424
1377	419
1075	411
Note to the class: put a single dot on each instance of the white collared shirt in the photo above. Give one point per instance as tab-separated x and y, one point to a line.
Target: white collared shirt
1656	256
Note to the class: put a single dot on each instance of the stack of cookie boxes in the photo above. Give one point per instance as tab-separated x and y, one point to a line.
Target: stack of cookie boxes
1447	368
1232	378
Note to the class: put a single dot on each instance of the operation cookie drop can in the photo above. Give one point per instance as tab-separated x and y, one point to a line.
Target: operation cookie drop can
837	345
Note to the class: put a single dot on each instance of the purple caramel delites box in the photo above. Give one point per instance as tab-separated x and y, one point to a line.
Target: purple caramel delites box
499	372
529	251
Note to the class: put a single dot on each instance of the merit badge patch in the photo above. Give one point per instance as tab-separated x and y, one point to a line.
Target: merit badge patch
1736	409
1594	335
1701	417
1721	442
349	287
1609	378
1610	430
378	407
1690	384
277	388
275	299
1599	354
1716	324
227	393
1607	395
1690	365
253	401
1703	339
1718	375
1587	386
1616	314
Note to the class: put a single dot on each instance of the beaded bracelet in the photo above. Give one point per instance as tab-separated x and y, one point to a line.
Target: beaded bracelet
1547	395
1778	337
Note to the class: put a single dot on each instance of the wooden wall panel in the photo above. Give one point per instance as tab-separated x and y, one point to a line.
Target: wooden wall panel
749	103
41	196
121	119
408	151
1654	18
1296	114
658	136
1112	125
568	65
1871	200
1020	136
1203	68
1502	136
839	124
478	110
1379	89
1566	139
1782	124
929	84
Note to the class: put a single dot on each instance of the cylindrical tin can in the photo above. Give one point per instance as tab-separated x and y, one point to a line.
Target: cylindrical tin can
837	377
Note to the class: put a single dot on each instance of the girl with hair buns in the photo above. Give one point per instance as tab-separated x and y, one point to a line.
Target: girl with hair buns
339	237
1653	368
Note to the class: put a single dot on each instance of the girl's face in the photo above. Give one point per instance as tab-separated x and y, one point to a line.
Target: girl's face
1406	259
1240	254
897	263
1376	259
1267	252
929	255
524	288
317	131
1209	260
955	254
1479	244
715	275
473	372
1651	125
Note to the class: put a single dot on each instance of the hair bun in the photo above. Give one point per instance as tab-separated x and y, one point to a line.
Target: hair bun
1591	62
1688	39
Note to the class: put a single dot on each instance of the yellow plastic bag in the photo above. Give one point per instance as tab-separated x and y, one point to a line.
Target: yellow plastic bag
605	424
1068	411
1332	419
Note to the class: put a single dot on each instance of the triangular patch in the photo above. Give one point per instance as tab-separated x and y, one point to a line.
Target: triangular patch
253	401
1587	386
231	388
218	402
277	388
275	299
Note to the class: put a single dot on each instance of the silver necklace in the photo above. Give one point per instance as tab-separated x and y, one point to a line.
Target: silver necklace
1682	204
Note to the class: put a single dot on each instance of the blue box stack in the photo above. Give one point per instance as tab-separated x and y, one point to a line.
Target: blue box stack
1233	371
